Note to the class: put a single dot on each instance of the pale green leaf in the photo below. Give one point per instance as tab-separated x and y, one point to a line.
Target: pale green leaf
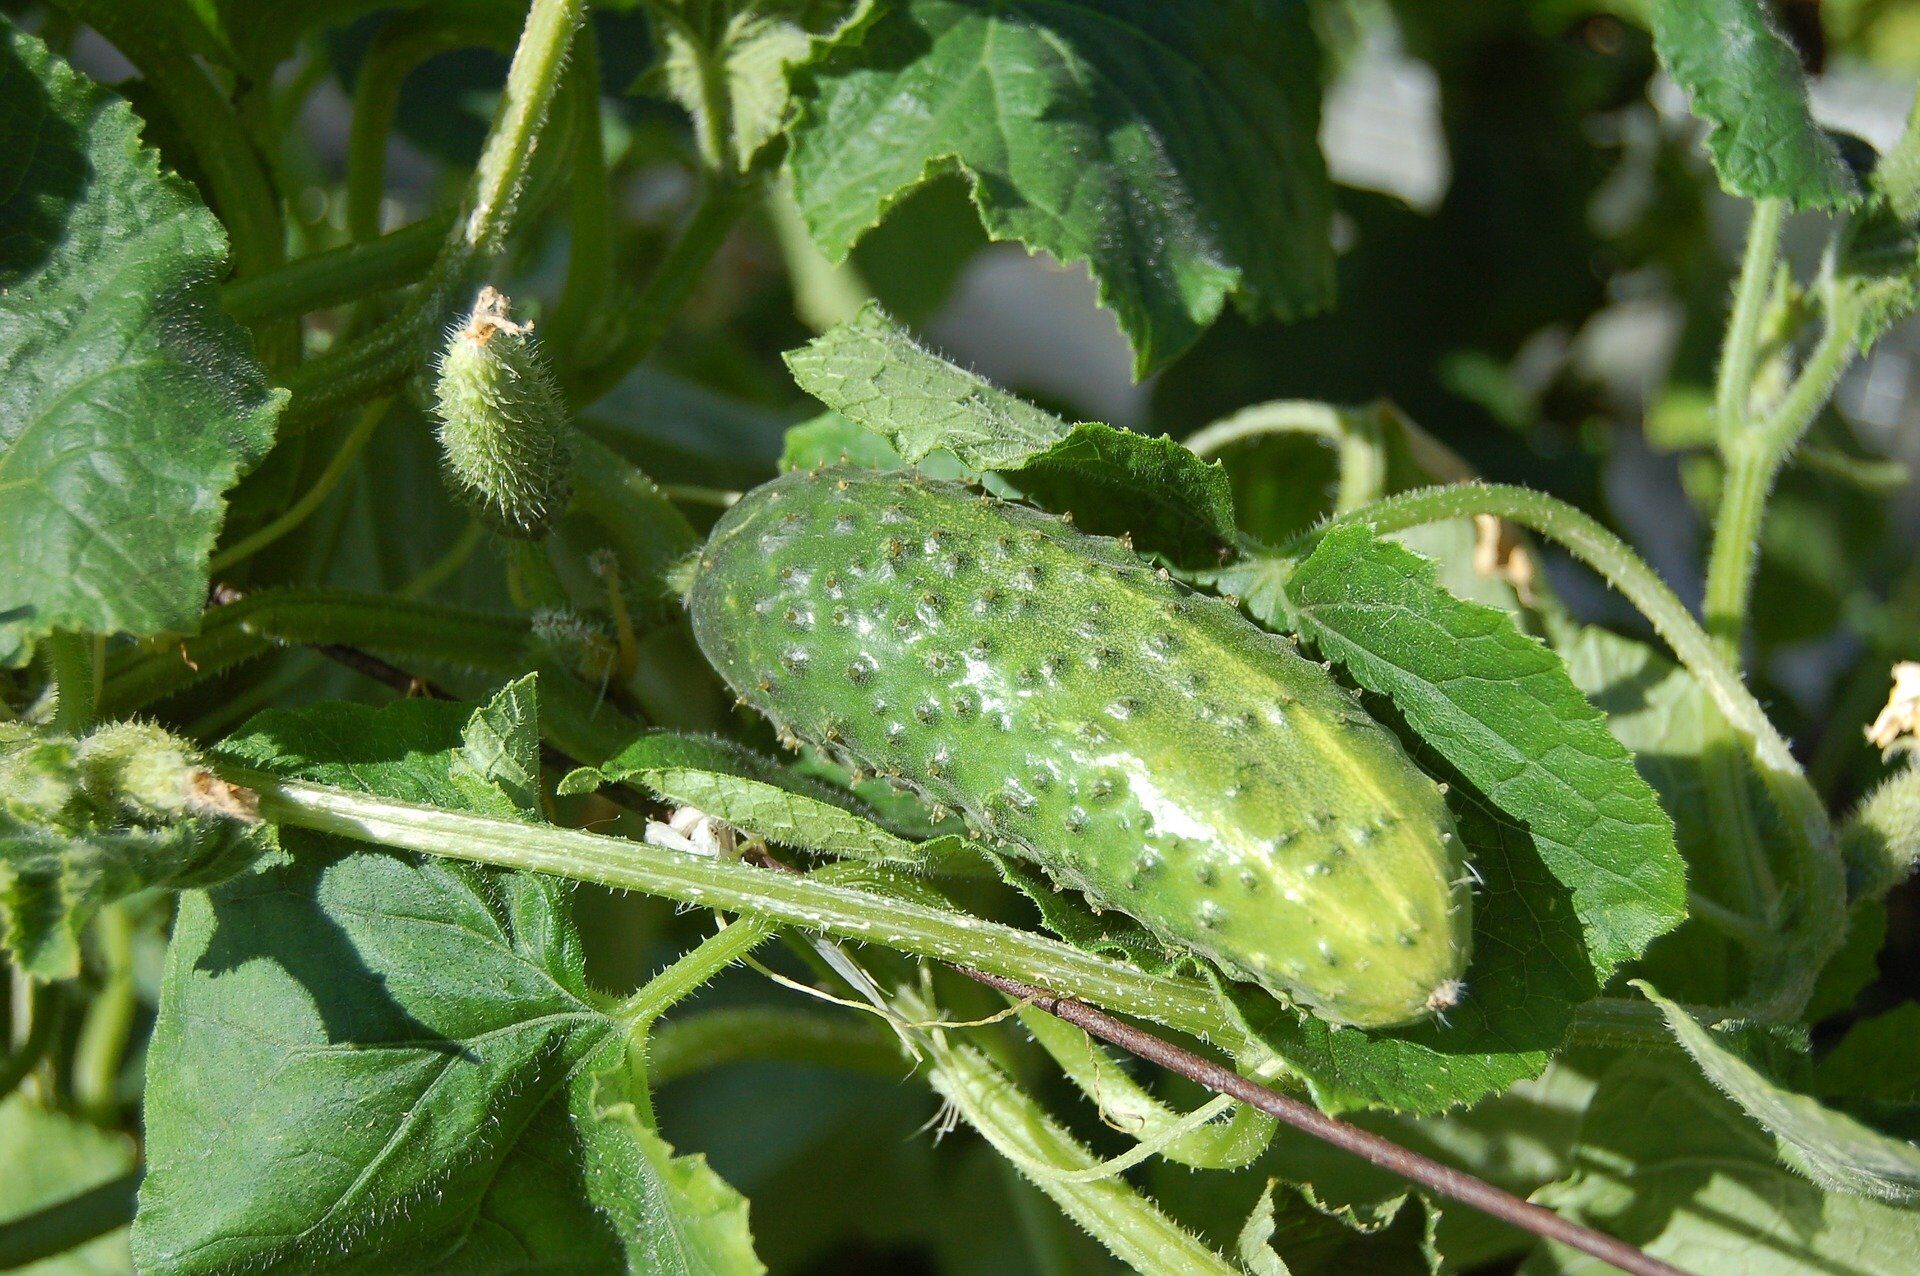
1828	1146
747	791
500	745
1500	707
128	402
1670	1165
51	1157
1745	81
1172	148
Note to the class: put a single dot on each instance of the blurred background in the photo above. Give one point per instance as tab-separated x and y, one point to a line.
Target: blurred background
1534	264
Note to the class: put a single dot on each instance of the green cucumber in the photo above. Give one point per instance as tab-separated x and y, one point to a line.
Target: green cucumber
1141	743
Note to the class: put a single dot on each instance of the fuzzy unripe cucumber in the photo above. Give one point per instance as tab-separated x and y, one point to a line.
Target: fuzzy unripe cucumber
1144	744
504	434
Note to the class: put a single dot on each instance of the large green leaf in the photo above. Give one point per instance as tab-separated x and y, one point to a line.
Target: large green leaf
1170	147
1669	1165
1828	1146
373	1062
128	402
1745	81
1500	707
877	376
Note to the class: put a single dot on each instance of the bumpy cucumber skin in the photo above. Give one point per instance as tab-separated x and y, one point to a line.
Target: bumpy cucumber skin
1143	744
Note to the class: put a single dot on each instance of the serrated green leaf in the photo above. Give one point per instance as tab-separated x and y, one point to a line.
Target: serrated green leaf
1501	708
1745	81
1172	148
1876	274
128	402
374	1062
752	47
1828	1146
1670	1165
747	791
1292	1232
500	745
688	1220
51	1157
875	374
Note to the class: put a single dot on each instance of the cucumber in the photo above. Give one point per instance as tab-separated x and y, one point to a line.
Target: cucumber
1141	743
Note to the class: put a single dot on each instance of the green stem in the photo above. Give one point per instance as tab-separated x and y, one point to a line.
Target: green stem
44	1011
239	631
68	1224
1754	458
1738	927
442	569
803	902
379	362
310	500
673	279
1019	1128
1262	420
1741	350
108	1026
708	1039
350	272
693	969
70	662
590	223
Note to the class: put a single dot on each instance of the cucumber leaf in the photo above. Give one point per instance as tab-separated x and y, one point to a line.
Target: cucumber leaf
129	403
1745	81
1830	1147
1172	148
876	375
1500	707
1670	1165
399	1058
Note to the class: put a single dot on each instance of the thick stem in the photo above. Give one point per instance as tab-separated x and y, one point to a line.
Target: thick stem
350	272
795	901
240	630
71	665
590	220
108	1026
39	1013
693	969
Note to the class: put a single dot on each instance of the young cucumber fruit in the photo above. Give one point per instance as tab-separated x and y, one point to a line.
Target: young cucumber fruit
1141	743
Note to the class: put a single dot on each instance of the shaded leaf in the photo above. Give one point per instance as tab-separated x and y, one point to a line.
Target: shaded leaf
128	402
1501	708
375	1062
1172	148
1745	81
52	1157
1829	1147
1670	1165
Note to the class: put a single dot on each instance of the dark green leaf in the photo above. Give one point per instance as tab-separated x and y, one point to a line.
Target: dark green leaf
1745	81
1501	708
1172	148
374	1062
128	402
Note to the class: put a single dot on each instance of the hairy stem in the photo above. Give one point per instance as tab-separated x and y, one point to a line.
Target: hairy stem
108	1026
350	272
70	664
1741	350
693	969
590	265
673	280
1754	459
795	901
